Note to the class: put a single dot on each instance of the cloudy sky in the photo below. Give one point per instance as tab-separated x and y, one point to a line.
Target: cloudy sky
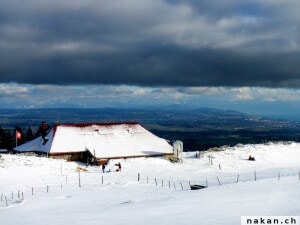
136	53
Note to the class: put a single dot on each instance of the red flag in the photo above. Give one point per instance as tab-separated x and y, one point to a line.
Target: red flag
18	134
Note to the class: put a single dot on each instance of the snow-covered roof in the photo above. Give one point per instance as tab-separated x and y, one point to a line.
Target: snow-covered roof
104	140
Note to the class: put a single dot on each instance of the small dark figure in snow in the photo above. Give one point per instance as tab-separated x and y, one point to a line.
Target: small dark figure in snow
103	168
119	167
251	158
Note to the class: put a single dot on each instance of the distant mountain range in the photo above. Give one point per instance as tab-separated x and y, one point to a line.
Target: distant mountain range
199	129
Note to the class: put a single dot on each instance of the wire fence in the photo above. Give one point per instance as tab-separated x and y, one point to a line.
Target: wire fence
217	180
82	180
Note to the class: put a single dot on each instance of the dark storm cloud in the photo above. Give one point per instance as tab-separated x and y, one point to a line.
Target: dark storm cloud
147	43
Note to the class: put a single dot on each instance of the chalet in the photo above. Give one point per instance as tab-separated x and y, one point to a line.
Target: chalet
94	142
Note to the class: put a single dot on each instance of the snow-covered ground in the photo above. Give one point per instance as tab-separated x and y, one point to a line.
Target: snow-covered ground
52	195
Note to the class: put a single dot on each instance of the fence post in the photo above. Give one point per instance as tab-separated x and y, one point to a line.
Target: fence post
219	181
206	183
6	201
138	176
155	181
102	179
47	189
181	186
79	181
255	175
147	179
278	176
12	195
162	183
22	196
169	184
219	166
237	179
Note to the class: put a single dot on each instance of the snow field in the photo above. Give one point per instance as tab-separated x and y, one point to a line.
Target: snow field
121	199
143	204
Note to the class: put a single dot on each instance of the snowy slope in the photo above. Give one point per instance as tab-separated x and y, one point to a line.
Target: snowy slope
122	199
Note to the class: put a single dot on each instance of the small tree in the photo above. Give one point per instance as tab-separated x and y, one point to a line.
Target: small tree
6	139
29	135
